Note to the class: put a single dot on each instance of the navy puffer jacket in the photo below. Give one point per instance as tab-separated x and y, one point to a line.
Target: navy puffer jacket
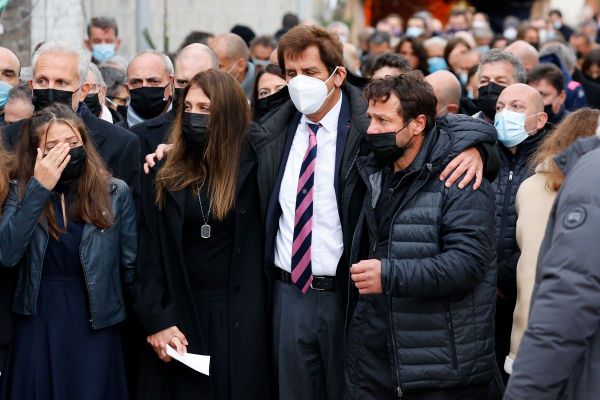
440	275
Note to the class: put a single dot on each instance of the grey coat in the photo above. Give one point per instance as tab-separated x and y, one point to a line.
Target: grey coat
559	357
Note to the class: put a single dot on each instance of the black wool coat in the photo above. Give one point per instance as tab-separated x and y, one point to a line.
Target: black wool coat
165	299
153	132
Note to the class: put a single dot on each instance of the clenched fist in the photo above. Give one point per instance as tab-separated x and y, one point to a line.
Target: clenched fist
366	276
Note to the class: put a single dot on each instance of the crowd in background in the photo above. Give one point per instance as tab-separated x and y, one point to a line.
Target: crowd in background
409	216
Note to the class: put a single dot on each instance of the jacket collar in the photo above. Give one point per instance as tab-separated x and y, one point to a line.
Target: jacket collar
567	159
530	145
98	135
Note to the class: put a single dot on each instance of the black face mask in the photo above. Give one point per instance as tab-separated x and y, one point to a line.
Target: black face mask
264	105
597	79
123	111
553	117
488	97
384	147
195	131
72	171
92	101
45	97
177	96
148	102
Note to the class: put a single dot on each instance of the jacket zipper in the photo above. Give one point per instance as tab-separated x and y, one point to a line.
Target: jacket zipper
451	332
507	196
398	386
85	277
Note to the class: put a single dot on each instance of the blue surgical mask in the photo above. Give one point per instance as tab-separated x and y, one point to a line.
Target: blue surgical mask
463	77
262	63
511	127
483	49
414	31
436	64
4	89
103	52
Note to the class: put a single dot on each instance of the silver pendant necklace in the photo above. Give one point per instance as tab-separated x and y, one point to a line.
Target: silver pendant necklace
205	229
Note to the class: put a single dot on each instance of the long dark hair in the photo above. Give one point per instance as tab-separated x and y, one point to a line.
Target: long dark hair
218	165
6	163
91	203
419	49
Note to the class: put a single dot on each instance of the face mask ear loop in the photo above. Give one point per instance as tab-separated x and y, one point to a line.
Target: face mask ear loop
532	115
327	80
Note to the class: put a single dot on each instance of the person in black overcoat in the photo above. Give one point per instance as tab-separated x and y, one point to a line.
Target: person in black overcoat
202	285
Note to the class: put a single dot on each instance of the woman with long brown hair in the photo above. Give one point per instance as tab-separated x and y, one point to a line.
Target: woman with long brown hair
534	201
71	231
7	278
202	287
5	167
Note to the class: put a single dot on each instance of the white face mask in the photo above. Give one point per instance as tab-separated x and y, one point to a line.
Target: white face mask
308	94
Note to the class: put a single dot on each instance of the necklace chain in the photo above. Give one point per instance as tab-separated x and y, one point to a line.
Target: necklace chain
204	218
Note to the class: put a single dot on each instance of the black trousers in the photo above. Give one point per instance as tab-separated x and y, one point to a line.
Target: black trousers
308	343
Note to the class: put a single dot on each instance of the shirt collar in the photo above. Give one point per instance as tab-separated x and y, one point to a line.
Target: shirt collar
330	120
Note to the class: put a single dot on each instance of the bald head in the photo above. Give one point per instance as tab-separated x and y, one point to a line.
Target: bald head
191	60
10	66
233	54
446	88
524	99
524	52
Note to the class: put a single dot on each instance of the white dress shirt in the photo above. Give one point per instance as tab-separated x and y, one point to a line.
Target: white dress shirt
106	115
327	240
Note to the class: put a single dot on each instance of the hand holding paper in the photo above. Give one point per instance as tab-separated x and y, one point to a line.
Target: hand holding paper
197	362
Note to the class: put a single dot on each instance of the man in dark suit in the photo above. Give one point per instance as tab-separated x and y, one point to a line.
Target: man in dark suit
311	197
59	74
189	61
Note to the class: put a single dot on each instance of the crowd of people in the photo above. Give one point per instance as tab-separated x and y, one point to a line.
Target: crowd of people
410	217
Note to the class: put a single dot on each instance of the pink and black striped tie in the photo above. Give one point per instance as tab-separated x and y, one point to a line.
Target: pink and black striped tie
301	254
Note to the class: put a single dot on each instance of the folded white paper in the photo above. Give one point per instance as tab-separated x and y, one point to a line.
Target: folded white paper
197	362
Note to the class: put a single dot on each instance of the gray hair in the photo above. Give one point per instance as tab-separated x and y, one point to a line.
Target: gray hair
565	54
98	79
168	63
497	55
21	91
114	78
196	50
435	41
59	47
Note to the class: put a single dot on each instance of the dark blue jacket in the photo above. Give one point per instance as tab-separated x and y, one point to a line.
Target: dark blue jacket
108	255
439	276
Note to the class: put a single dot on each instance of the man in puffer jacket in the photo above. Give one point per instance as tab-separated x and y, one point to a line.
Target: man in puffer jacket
422	311
522	126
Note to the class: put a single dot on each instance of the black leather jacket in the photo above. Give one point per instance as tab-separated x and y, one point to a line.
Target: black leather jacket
108	255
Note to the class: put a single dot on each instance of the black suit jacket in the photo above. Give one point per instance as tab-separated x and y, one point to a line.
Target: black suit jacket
153	132
273	139
119	148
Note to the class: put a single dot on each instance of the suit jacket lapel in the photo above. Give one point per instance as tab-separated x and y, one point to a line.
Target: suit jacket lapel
344	125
